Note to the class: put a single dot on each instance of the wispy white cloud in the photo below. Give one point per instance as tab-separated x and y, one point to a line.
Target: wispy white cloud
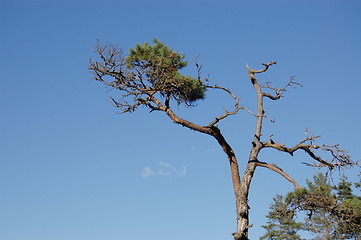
147	172
167	166
163	169
168	169
182	171
164	172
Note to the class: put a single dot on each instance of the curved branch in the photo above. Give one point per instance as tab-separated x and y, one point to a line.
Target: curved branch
236	105
214	132
278	170
270	96
227	113
267	65
339	157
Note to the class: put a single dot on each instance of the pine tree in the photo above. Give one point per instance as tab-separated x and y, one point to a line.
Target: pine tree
281	223
318	204
343	189
348	211
331	213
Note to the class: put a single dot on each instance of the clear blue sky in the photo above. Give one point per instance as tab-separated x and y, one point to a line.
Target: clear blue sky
72	169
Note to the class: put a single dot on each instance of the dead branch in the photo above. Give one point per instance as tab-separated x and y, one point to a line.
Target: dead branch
227	113
279	91
199	71
278	170
267	65
337	157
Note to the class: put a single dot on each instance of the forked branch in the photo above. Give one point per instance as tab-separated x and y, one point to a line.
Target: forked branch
227	113
279	91
337	157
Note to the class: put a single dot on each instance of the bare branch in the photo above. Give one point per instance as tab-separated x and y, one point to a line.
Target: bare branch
199	71
249	111
227	113
337	157
112	71
267	65
278	170
236	109
279	91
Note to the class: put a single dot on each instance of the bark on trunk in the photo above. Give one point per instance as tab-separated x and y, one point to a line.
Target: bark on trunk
242	197
242	204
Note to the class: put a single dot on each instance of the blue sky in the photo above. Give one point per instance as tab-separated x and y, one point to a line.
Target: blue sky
72	169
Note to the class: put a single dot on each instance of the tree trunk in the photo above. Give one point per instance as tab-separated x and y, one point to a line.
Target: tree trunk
242	198
242	204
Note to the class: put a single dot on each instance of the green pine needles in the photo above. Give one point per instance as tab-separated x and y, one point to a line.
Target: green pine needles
144	76
281	223
161	66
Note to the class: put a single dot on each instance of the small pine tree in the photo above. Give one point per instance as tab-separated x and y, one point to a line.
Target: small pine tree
348	210
281	223
343	189
318	204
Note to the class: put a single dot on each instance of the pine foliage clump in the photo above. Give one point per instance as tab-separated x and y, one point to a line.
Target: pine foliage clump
162	66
